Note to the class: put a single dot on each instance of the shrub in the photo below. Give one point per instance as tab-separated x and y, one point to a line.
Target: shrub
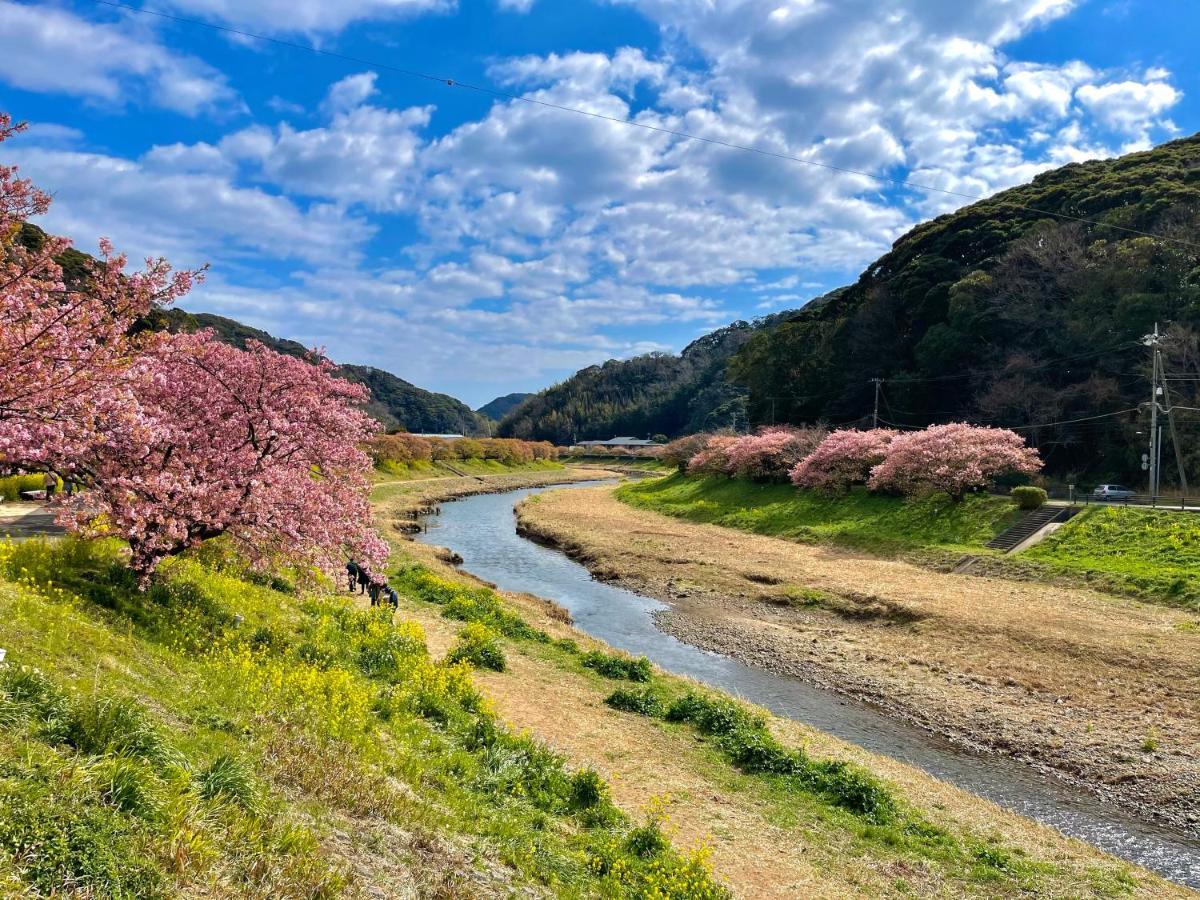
128	785
714	458
679	452
743	736
588	790
28	695
645	703
466	448
772	453
11	486
399	448
118	726
647	841
712	715
1029	497
227	778
953	458
478	645
611	666
842	459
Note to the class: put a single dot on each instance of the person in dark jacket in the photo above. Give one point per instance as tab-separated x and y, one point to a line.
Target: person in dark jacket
393	598
364	579
352	574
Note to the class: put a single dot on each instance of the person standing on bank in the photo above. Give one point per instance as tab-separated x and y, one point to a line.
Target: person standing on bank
50	481
352	574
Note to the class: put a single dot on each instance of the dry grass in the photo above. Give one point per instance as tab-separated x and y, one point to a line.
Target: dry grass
759	848
1067	678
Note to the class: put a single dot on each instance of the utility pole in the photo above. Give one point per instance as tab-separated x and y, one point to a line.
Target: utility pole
875	416
1183	485
1151	341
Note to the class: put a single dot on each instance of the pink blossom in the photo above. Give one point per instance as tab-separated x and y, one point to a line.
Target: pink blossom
771	453
252	444
64	345
844	458
714	458
953	458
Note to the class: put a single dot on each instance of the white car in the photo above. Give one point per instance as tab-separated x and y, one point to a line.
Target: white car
1112	492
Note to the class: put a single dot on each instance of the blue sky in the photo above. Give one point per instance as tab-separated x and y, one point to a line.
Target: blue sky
477	245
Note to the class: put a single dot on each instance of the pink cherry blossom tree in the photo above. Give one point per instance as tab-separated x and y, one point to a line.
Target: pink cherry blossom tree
64	347
714	458
953	458
253	444
772	452
842	459
679	452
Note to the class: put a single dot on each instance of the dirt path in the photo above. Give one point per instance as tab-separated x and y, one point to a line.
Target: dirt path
1104	691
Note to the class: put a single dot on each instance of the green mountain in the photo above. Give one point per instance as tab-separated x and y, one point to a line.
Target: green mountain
394	402
1005	313
502	406
654	394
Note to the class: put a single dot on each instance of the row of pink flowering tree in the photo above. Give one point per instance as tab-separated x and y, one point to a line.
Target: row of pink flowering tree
954	459
179	438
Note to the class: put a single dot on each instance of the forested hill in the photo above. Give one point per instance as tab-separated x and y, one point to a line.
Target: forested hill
655	394
998	314
394	402
502	406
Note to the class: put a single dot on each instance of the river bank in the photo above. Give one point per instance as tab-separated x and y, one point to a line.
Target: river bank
762	843
1099	690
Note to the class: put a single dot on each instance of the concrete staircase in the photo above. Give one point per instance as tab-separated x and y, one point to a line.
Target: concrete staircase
1027	527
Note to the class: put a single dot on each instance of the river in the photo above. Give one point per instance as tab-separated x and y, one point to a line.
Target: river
482	530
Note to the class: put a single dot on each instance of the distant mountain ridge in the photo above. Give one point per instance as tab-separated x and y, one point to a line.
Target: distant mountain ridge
394	402
500	407
655	394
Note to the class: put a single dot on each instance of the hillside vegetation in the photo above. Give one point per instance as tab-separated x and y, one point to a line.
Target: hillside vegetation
1001	314
500	407
658	393
878	523
394	402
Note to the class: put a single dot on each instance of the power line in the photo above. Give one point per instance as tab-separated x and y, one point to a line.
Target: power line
684	135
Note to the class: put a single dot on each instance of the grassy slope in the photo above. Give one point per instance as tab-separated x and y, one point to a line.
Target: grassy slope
307	751
1149	552
860	520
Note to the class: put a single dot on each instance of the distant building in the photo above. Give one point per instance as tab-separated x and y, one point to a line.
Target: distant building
444	437
626	442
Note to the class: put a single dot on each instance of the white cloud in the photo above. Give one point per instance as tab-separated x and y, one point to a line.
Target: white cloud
1128	106
517	6
191	214
542	235
307	16
48	49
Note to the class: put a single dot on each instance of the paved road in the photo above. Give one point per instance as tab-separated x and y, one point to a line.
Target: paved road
23	520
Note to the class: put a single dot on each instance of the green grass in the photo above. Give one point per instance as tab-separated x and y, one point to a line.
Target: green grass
879	524
217	731
1154	554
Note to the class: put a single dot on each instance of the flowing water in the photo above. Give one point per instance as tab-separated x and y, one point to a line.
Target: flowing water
482	530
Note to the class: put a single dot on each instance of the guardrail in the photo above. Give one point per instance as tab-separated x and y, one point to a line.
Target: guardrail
1181	504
